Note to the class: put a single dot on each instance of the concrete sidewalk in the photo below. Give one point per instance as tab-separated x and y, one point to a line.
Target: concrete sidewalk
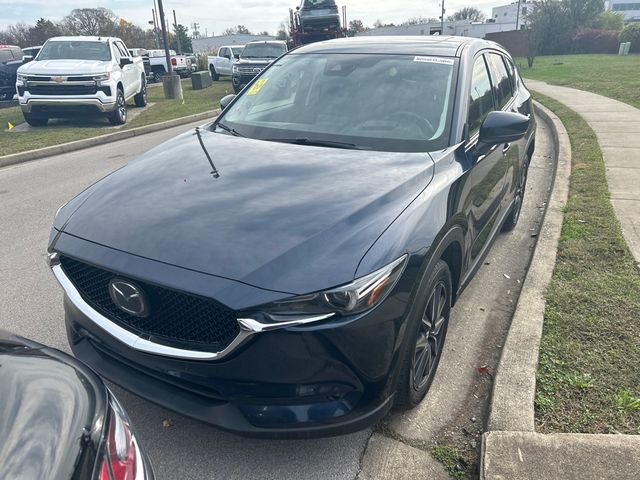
617	127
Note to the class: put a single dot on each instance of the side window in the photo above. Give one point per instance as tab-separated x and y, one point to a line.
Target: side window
122	49
223	52
481	101
513	73
500	79
17	53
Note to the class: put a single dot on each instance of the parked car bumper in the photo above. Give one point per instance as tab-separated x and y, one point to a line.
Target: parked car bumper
61	105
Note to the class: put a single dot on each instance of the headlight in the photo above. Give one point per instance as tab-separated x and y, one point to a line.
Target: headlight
356	297
21	78
102	77
234	69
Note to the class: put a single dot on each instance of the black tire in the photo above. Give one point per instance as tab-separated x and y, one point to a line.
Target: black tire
34	120
141	97
512	219
119	115
214	75
427	330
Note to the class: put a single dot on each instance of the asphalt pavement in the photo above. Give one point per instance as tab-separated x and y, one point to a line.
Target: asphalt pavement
31	305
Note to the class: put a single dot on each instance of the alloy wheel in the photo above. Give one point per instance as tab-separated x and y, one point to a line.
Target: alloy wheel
122	107
430	337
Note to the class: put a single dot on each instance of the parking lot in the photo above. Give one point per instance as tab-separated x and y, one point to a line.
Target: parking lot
31	305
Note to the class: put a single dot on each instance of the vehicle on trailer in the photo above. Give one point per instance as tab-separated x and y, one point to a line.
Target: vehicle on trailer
59	420
81	75
314	21
222	62
180	64
10	61
29	53
291	272
255	57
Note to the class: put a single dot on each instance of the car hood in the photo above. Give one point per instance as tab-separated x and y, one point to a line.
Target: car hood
254	61
64	67
47	406
283	217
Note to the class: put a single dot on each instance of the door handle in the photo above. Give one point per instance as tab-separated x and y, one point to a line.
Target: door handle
506	148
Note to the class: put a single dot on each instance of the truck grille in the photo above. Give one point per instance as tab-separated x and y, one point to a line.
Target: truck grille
177	319
250	70
62	89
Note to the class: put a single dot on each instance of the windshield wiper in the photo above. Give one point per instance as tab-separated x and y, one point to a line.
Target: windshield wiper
318	143
226	128
214	170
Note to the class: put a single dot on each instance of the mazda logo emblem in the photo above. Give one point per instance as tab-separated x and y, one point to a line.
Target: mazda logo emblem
128	297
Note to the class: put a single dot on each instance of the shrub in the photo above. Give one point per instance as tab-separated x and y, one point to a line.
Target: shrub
592	40
631	33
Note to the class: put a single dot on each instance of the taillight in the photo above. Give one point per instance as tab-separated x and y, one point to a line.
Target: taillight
119	461
174	61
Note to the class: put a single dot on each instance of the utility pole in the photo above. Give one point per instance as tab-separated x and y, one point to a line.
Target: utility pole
442	19
175	28
194	27
518	15
155	28
170	82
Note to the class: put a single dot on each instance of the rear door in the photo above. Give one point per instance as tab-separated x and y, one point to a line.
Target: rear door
131	72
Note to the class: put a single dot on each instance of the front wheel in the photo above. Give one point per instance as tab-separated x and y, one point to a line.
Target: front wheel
512	219
426	343
119	115
214	75
34	120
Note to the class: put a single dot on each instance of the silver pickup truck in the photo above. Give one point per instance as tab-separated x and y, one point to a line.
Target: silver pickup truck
81	75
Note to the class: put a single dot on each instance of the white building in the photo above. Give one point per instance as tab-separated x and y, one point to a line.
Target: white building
463	28
629	8
509	13
211	44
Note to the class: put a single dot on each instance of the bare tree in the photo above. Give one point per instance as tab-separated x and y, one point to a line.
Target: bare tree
419	20
91	21
467	13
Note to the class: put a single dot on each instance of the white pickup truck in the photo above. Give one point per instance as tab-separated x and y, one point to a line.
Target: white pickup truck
180	64
222	63
71	76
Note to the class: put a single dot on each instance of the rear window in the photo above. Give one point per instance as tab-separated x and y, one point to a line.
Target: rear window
75	50
5	55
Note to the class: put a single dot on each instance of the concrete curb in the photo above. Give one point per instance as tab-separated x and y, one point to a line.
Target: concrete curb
21	157
514	387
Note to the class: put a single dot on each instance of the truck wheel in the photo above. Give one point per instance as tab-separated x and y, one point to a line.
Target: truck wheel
214	75
119	115
141	97
35	121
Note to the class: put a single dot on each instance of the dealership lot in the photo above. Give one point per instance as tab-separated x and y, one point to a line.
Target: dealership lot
31	305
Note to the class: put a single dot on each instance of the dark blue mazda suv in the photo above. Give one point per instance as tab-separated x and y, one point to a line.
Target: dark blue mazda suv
289	269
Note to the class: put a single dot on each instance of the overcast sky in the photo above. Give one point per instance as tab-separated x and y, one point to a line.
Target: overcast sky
217	15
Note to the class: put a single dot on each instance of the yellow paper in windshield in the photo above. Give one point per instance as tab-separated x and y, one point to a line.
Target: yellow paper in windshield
255	88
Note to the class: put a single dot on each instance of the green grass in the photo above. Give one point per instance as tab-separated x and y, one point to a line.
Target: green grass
449	457
62	131
613	76
588	377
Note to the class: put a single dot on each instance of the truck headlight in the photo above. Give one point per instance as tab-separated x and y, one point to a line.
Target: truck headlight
102	77
21	78
234	69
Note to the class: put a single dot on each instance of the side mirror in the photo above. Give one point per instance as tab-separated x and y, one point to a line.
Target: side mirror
503	127
227	56
125	61
27	58
224	101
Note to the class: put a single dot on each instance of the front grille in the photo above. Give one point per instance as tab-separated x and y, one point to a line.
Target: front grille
177	319
62	89
250	70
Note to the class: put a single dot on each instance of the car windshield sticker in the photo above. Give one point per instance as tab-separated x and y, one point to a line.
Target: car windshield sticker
440	60
255	88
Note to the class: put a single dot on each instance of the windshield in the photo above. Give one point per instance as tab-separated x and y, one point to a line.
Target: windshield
318	3
67	50
263	50
237	51
379	102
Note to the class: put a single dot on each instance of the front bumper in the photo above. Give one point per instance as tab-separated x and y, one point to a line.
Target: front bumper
33	104
297	381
